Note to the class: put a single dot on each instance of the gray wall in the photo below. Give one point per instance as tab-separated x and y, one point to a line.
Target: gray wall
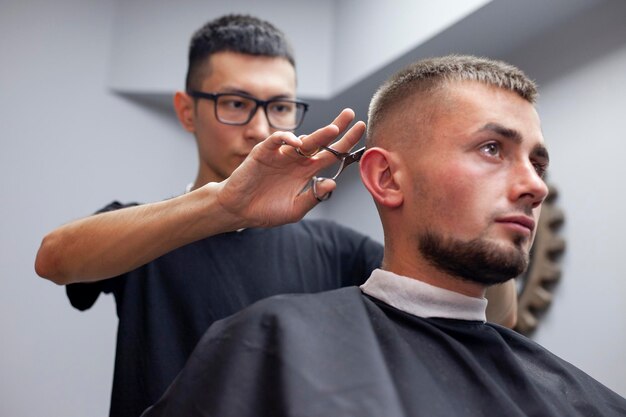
71	145
582	70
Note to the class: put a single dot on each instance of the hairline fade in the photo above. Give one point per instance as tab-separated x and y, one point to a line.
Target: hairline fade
431	74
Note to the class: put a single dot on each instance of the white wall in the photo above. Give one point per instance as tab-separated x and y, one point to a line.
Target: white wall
149	50
336	41
583	115
372	33
581	69
69	146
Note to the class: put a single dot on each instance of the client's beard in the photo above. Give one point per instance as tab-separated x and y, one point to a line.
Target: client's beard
476	260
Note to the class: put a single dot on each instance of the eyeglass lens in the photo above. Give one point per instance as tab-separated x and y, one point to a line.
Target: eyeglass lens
281	114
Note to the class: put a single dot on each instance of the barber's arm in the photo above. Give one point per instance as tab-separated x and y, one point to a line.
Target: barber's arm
502	307
264	191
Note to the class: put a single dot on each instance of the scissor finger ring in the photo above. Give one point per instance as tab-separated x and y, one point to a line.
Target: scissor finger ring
314	182
307	155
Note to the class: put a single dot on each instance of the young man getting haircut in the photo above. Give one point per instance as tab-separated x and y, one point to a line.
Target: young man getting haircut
455	163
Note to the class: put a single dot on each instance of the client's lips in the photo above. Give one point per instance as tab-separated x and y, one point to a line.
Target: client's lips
520	220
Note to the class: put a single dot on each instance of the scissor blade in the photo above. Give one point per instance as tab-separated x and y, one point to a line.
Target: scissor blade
355	156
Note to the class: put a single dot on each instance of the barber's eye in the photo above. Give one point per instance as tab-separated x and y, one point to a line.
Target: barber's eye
281	107
235	104
490	149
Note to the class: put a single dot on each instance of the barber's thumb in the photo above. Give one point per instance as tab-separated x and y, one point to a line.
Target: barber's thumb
325	186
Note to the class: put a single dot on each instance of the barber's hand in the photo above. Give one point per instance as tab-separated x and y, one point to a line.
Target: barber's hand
266	189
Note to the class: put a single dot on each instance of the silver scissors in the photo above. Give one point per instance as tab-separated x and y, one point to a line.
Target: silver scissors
345	158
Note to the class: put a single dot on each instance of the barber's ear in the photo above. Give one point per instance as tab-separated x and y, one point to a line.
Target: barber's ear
184	107
379	172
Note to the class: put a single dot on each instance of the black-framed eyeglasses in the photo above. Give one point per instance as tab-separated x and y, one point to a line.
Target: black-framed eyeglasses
238	109
345	159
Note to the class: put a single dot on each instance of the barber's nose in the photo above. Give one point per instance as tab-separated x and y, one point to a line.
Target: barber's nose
258	128
529	185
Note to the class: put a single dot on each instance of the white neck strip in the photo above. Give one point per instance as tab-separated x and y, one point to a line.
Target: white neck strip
421	299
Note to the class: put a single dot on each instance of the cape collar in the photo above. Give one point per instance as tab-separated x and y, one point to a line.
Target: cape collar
421	299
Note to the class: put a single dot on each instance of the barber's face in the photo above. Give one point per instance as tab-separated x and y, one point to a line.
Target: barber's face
222	148
478	184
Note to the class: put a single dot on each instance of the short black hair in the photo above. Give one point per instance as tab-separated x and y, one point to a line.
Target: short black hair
244	34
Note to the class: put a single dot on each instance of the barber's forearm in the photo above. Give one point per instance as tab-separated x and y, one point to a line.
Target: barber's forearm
109	244
265	191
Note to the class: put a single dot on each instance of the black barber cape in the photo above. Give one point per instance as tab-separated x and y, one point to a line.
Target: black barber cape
344	353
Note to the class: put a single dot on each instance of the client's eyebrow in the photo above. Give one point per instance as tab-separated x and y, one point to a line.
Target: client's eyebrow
503	131
539	151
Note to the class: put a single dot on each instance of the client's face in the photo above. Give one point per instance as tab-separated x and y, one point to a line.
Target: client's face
478	184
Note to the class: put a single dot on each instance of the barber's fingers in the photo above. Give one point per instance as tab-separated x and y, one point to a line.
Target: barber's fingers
343	120
317	189
278	139
343	145
286	143
322	188
308	146
350	138
326	135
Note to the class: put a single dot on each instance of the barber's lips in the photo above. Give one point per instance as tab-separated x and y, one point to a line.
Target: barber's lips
522	224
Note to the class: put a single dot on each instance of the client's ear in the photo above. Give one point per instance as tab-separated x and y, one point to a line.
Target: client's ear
379	171
184	107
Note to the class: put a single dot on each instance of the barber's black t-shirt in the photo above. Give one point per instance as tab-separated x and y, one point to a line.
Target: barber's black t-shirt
165	306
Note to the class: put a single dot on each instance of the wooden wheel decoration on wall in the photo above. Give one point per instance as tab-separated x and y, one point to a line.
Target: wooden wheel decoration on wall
535	286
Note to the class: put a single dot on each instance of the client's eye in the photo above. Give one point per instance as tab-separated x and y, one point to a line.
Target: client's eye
541	169
490	149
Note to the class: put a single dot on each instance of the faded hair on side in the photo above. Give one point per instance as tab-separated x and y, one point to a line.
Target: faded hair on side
432	73
234	33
